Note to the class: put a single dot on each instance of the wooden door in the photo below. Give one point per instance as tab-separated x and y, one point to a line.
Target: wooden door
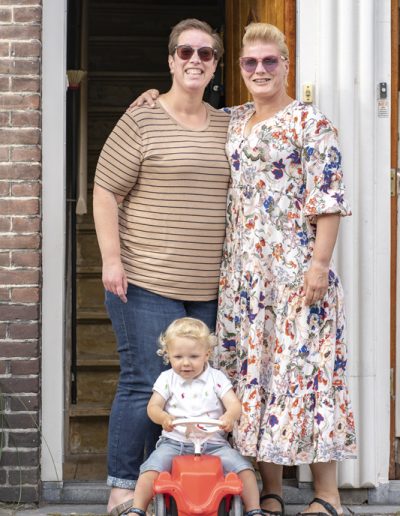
238	14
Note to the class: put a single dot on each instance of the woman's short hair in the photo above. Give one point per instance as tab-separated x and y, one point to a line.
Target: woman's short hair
266	33
193	23
186	327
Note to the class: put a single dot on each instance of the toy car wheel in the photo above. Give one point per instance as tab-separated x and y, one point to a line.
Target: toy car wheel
160	508
236	506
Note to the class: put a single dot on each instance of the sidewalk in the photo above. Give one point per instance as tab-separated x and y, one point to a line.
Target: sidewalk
92	510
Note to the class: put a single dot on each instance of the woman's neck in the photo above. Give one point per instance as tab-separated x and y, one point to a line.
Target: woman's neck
184	103
267	107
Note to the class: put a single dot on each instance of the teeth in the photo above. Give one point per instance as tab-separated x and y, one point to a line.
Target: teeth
193	71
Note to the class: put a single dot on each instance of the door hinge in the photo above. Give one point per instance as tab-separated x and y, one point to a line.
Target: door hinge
394	181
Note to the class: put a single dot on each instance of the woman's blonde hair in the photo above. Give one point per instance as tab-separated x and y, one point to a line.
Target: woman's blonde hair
185	327
266	33
193	23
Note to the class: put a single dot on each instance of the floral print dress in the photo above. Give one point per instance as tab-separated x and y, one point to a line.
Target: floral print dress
287	361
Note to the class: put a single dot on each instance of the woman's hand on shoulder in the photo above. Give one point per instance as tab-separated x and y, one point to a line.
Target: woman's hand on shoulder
315	283
148	97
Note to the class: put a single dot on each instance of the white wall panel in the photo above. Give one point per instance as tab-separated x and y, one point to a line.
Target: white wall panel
344	50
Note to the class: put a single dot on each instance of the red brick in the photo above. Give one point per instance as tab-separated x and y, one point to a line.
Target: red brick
24	494
23	476
4	367
24	294
19	171
23	403
4	188
21	420
19	136
17	385
21	367
18	458
27	118
25	84
27	14
4	49
10	312
5	259
4	151
20	32
4	294
26	258
4	119
26	224
15	101
23	331
25	189
29	153
26	49
19	206
19	67
20	2
19	277
5	224
4	84
3	332
17	348
5	15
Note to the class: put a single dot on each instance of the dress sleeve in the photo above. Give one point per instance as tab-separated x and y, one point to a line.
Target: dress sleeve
322	167
120	159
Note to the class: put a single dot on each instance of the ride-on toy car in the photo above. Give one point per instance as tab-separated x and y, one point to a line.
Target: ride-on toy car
196	483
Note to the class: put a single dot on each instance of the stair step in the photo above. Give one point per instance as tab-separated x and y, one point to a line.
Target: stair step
96	361
92	315
89	410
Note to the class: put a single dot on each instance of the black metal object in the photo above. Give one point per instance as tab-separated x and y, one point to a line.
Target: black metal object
73	101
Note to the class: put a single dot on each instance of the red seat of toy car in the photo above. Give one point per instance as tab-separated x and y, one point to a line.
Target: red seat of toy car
197	484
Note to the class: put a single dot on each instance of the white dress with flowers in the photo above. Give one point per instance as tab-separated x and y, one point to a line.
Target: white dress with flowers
287	361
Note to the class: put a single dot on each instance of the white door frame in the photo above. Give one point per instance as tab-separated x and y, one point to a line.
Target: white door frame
54	51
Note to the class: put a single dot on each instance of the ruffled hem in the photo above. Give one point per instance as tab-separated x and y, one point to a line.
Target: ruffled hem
317	427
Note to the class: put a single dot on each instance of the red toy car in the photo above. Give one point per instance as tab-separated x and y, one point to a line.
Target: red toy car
196	484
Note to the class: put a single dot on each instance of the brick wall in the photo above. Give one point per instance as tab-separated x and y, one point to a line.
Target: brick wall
20	257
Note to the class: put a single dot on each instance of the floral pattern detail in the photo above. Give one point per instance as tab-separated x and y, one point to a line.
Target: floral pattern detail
286	361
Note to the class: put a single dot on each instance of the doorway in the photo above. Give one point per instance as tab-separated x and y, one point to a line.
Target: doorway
120	49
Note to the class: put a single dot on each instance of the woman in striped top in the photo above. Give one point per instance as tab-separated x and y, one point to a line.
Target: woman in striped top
159	208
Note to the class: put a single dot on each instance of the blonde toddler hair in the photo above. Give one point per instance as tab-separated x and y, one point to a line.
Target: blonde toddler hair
185	327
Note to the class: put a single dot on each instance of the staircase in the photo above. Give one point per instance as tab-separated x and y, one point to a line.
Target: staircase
127	54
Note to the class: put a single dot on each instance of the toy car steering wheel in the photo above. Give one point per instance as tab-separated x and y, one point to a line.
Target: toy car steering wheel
198	429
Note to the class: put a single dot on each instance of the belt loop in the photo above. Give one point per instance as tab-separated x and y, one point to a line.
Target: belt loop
182	446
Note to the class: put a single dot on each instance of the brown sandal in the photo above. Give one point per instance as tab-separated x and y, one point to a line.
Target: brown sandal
278	499
326	505
121	508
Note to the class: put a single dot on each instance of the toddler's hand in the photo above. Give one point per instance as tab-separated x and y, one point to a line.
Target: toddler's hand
167	423
227	421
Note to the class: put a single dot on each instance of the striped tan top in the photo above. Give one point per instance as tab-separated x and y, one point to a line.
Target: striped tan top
175	181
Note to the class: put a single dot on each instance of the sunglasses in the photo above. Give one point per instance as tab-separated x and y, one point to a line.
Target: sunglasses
205	54
270	63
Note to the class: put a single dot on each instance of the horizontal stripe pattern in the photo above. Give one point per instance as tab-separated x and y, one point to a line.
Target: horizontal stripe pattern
174	182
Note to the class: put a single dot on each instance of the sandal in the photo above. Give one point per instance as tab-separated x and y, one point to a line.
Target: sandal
122	508
278	499
326	505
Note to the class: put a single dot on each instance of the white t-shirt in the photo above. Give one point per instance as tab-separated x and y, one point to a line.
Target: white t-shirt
197	397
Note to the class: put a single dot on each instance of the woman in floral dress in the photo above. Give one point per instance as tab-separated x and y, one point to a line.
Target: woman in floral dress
281	320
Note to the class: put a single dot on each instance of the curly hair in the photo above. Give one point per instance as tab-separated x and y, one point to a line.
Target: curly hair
185	327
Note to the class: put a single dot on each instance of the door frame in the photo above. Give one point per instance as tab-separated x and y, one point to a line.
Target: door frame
54	82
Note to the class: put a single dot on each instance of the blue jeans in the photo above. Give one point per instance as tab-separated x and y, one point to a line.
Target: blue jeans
166	449
137	325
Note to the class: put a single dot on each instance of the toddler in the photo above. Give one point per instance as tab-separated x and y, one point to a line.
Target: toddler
192	388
